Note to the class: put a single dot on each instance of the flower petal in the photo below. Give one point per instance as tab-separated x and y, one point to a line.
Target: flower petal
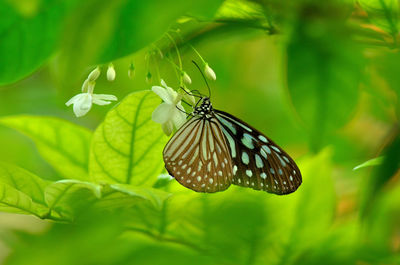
167	128
100	102
104	97
173	95
178	117
163	94
163	83
74	99
162	113
83	104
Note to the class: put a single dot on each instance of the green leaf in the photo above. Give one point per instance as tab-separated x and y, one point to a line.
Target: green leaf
27	41
68	196
127	146
119	28
154	196
372	162
383	13
21	191
324	71
64	145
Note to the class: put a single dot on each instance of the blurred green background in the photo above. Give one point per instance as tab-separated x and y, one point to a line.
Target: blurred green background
321	78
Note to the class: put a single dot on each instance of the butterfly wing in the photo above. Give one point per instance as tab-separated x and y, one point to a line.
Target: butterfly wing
198	157
258	162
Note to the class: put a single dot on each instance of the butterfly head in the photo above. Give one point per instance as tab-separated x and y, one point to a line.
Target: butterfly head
205	107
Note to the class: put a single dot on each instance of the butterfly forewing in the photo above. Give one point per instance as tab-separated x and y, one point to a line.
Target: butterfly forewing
258	162
198	157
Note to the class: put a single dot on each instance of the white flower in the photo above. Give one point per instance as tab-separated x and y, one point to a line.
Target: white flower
83	102
110	72
209	72
167	113
94	74
186	78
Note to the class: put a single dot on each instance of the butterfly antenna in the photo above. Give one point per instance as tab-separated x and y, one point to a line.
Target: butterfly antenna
205	80
191	92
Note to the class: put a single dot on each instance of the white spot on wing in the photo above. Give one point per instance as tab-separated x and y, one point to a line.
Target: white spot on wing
266	149
259	162
262	138
247	140
249	173
275	148
245	158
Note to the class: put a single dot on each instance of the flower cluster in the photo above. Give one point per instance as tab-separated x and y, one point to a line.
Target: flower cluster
83	102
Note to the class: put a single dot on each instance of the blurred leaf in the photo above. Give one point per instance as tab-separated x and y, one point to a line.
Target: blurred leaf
119	28
242	9
27	41
382	225
383	13
21	191
372	162
127	146
386	65
381	176
99	240
154	196
64	145
315	206
67	197
324	70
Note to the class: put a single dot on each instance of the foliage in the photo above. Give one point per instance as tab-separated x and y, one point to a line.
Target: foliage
318	77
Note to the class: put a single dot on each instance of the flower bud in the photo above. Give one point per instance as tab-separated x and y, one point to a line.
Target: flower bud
186	78
85	86
149	78
131	71
110	72
189	98
209	72
94	74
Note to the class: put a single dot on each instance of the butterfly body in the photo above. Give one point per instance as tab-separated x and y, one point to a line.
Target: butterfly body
214	149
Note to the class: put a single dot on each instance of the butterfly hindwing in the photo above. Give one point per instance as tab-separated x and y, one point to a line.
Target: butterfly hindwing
258	162
197	156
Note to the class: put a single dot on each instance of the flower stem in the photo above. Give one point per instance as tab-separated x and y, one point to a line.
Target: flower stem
198	54
178	55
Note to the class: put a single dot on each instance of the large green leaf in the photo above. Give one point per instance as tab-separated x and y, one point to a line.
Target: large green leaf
67	197
27	41
115	29
21	191
62	144
119	28
127	146
324	71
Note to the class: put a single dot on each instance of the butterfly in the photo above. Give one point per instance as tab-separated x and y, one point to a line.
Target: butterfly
214	149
